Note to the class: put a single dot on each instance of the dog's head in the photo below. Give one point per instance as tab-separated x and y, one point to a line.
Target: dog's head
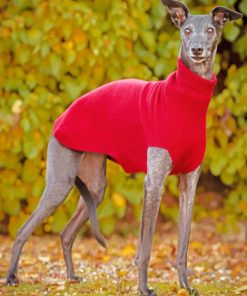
199	33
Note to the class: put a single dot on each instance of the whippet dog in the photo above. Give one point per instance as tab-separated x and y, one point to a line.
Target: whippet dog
67	167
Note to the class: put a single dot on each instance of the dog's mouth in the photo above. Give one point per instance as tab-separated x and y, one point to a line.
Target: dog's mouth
198	59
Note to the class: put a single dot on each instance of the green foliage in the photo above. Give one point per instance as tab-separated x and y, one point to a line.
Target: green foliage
53	51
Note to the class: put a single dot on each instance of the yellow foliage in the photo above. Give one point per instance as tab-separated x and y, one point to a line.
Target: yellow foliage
128	251
54	51
118	200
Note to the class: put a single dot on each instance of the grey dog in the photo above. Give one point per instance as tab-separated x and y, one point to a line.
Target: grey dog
86	170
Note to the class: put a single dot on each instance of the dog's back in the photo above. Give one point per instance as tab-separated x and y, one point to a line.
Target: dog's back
107	121
121	119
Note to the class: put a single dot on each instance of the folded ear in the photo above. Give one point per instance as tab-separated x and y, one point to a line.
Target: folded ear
179	11
222	15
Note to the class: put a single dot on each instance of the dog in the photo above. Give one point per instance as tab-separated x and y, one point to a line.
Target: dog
154	127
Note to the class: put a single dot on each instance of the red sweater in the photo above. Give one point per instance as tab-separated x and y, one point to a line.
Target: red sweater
122	118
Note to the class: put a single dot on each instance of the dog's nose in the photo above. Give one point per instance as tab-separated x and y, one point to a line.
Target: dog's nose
197	51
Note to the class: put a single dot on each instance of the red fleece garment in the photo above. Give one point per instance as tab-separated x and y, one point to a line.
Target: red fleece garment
123	118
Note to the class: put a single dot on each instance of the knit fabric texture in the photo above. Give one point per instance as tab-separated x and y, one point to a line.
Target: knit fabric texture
123	118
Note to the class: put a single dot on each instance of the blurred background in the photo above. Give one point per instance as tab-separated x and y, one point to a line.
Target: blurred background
53	51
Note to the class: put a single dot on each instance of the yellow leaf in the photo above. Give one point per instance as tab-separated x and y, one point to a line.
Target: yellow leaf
79	36
118	200
128	251
106	258
196	245
123	272
17	107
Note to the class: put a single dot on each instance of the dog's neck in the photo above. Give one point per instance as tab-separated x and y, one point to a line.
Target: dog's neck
204	69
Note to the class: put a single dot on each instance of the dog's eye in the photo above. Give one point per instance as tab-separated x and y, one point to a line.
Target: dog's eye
210	30
187	31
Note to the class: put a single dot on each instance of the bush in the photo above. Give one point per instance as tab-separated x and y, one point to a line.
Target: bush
53	51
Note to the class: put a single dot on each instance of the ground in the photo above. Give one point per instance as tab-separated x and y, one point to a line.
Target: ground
217	266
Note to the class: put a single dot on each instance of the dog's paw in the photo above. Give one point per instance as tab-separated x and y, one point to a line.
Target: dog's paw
194	292
75	279
151	292
12	280
148	293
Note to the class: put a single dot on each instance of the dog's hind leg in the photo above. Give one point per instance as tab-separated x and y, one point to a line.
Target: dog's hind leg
92	173
69	234
62	169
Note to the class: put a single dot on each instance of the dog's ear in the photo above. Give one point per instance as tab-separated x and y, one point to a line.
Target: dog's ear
179	11
222	15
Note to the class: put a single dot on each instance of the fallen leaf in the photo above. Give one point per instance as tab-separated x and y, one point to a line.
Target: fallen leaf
243	288
183	292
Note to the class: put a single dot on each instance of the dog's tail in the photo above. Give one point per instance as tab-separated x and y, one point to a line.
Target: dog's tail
91	206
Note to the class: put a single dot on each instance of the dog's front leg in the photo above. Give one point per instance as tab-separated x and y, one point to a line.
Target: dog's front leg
187	188
159	165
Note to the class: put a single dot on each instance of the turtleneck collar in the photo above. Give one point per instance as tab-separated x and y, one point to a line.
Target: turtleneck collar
192	80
